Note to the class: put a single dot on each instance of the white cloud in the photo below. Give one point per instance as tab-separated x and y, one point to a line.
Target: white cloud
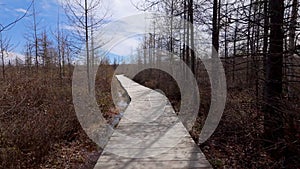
123	35
116	8
122	8
126	47
21	10
13	58
119	9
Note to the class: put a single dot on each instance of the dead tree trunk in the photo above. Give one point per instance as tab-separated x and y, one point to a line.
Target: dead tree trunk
273	119
192	47
292	36
87	46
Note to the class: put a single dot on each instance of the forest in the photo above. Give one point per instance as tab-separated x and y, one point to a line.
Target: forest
254	43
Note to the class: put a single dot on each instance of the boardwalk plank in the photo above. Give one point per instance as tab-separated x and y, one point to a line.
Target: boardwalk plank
150	135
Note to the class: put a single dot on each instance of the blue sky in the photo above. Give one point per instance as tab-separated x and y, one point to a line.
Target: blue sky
46	17
47	14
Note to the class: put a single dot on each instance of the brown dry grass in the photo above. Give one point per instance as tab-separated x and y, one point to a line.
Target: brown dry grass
37	116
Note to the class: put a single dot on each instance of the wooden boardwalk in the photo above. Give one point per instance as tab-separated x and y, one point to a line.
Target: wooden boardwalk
150	135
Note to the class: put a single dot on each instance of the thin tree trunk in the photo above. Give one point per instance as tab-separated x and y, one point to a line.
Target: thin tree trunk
59	47
35	35
226	39
87	46
292	36
2	56
215	33
249	41
266	36
191	16
234	50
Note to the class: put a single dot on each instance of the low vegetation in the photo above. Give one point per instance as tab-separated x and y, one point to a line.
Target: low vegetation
238	140
38	124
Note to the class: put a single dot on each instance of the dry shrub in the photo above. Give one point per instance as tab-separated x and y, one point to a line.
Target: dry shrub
103	91
35	112
238	140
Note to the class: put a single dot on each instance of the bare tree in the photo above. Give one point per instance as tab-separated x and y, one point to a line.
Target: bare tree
82	16
273	116
28	55
44	45
5	46
216	27
32	34
292	45
35	36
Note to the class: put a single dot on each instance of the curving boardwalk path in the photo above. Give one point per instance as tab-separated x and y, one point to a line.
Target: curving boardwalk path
149	135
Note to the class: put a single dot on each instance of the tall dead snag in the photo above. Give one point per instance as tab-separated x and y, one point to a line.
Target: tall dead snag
191	18
87	44
292	47
215	41
2	55
5	47
273	117
84	17
215	31
35	36
266	33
